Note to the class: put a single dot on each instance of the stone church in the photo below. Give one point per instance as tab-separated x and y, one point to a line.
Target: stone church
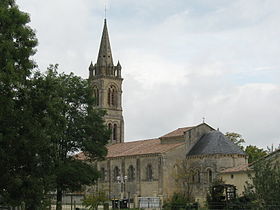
152	167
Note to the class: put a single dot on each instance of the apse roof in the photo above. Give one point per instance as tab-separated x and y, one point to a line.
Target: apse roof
214	142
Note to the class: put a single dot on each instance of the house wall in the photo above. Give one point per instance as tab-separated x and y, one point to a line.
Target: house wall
238	179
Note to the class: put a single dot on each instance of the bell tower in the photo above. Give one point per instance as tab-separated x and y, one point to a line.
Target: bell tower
106	82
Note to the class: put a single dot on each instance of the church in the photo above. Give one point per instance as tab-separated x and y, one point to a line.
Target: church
186	159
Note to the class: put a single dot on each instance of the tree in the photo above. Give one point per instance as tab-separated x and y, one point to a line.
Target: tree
254	153
265	188
93	200
73	126
236	138
184	176
20	177
44	119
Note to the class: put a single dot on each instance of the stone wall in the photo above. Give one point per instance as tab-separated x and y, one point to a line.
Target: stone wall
140	185
215	163
193	135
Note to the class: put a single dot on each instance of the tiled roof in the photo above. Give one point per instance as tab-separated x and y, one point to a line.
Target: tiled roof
80	156
244	167
177	132
143	147
214	142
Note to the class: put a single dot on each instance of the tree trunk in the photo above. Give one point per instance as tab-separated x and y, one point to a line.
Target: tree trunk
59	199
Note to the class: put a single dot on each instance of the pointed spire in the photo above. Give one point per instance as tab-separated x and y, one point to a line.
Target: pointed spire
90	66
105	53
118	64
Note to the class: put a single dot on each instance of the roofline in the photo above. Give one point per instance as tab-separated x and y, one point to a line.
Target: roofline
155	153
192	127
214	154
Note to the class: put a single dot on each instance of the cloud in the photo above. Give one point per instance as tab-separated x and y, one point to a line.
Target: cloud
182	60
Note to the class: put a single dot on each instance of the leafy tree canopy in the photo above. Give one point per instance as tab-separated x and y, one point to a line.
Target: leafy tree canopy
44	120
73	126
236	138
93	200
254	153
265	188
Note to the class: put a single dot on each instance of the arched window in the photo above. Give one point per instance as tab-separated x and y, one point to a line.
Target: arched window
102	174
96	95
197	176
130	173
115	130
112	96
192	176
149	172
109	97
116	173
111	129
209	175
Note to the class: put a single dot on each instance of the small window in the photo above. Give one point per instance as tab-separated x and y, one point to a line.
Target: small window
102	174
96	96
197	176
112	96
130	173
210	175
115	131
149	172
116	173
232	176
111	129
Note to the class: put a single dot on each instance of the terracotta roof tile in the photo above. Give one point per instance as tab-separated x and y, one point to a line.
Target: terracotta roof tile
142	147
80	156
240	168
177	132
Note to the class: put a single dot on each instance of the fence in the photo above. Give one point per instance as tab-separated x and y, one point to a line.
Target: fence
149	202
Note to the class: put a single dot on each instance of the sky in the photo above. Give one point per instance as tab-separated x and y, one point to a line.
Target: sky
182	60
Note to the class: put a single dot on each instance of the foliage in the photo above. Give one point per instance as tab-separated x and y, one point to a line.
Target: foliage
254	153
93	200
44	119
265	188
179	201
183	179
215	197
236	138
23	169
72	125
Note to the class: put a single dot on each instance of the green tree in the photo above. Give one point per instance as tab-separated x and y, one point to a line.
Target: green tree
44	119
254	153
21	177
265	188
236	138
93	200
73	126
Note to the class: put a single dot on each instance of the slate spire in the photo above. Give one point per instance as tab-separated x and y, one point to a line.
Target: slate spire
105	53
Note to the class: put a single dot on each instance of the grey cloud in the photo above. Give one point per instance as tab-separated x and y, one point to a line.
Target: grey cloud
182	60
